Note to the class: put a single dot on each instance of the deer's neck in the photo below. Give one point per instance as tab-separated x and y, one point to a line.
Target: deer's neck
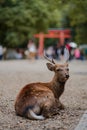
56	86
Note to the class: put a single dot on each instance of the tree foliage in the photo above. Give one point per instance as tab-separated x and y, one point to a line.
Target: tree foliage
19	20
78	19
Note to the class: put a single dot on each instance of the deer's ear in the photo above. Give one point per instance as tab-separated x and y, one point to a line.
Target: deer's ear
50	66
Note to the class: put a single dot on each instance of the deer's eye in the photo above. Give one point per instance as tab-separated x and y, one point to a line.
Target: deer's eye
59	69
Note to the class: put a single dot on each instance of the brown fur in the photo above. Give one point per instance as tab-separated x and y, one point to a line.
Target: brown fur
43	98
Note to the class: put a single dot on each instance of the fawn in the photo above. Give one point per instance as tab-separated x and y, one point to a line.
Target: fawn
41	100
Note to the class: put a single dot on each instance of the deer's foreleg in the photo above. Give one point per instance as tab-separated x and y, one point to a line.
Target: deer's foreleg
59	104
49	111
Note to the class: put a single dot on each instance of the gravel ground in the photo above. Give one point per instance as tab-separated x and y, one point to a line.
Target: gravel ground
15	74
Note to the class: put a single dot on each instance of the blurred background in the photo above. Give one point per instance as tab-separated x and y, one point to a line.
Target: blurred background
28	28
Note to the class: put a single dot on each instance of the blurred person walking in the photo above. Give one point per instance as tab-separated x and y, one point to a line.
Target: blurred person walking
77	53
32	49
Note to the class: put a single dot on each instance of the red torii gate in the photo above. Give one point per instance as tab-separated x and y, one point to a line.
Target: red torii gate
52	33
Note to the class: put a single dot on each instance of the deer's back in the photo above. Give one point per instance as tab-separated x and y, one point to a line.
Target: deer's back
32	94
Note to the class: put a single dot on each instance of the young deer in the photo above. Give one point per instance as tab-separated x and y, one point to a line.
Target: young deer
41	100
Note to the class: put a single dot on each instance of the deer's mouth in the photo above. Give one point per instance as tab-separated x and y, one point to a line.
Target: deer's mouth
65	78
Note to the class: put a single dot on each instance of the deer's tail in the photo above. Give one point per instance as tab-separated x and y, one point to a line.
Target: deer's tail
32	115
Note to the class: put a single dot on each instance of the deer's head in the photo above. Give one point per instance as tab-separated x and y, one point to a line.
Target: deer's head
61	70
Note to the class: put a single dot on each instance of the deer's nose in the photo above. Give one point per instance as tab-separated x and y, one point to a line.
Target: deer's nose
67	76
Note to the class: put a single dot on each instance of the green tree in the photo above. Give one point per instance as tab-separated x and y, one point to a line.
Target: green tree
78	19
19	20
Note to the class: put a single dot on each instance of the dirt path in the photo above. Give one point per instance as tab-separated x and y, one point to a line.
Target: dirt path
15	74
